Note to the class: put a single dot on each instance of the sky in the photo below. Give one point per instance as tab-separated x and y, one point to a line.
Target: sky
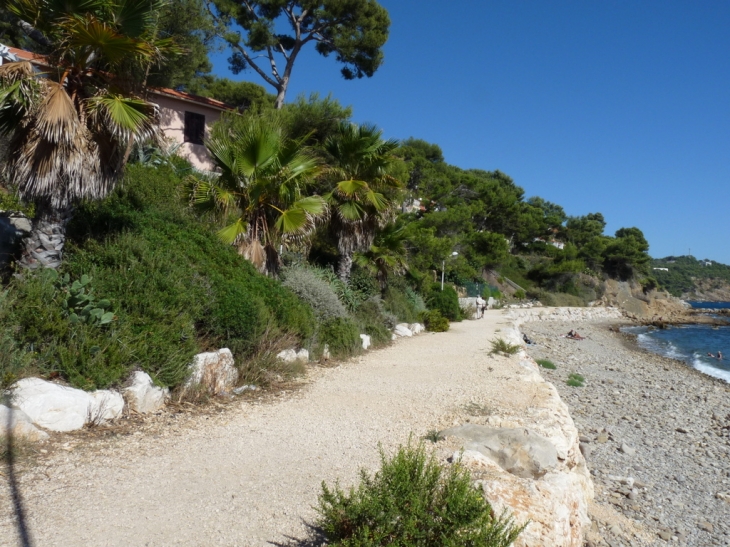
618	107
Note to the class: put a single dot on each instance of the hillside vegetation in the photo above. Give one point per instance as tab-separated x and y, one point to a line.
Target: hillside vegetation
688	277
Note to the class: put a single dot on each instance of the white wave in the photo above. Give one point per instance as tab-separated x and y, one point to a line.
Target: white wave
708	369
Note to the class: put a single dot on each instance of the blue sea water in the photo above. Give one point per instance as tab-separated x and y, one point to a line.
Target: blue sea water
691	343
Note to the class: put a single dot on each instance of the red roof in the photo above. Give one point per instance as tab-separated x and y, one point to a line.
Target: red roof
173	94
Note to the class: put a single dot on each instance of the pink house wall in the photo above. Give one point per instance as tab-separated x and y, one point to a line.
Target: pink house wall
172	123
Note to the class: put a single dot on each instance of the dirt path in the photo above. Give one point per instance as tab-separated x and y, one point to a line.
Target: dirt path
251	476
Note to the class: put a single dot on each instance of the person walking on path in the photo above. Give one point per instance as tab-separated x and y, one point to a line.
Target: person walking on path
481	304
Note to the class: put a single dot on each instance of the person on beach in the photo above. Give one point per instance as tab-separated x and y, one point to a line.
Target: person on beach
574	335
719	356
526	340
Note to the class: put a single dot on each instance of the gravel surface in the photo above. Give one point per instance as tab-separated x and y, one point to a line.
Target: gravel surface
656	435
251	474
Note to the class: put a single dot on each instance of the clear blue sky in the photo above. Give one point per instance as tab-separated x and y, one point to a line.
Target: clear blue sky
620	107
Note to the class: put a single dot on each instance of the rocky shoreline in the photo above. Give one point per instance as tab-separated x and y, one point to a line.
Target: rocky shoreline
655	433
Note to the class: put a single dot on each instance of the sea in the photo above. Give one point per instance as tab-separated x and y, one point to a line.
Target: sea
691	343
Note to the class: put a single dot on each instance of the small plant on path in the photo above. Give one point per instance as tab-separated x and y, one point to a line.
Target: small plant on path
412	501
575	380
434	436
546	363
502	346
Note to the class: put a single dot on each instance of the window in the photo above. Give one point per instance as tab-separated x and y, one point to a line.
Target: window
194	128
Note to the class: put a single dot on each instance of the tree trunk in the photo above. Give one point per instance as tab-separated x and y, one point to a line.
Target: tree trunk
44	245
344	267
280	96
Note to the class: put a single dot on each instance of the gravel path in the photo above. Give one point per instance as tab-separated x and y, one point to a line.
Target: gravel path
251	475
656	435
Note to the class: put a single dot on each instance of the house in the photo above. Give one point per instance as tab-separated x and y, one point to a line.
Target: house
185	119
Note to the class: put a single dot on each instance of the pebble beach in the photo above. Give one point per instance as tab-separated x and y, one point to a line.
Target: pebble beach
655	434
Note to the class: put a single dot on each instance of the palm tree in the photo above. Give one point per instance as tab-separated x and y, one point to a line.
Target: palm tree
69	129
263	182
386	256
361	198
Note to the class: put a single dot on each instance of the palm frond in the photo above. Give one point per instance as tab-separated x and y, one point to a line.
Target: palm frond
57	120
123	117
90	37
232	232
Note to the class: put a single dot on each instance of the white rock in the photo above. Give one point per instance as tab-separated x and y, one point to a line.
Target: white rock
366	341
105	405
288	355
393	337
52	406
326	352
214	370
416	328
291	355
401	329
143	396
21	426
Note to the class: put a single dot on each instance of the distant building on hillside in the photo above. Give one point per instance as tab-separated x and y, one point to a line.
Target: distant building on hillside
662	269
184	118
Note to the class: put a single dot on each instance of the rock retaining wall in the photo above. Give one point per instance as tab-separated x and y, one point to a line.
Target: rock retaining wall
556	503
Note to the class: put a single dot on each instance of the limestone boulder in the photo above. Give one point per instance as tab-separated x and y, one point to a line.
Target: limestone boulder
518	451
416	328
15	422
401	329
214	371
62	408
291	355
366	341
143	396
288	355
105	405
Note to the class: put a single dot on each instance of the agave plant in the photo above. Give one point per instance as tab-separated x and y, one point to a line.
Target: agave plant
262	188
361	179
70	128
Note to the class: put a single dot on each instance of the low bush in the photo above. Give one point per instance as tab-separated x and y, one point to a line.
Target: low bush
342	337
412	500
313	289
519	294
434	321
575	380
446	301
546	363
505	348
374	321
397	302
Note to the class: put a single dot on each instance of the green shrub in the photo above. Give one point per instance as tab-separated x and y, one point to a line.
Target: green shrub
520	294
446	301
175	290
396	301
14	363
314	290
434	321
412	500
546	363
374	321
575	380
415	299
505	348
341	335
